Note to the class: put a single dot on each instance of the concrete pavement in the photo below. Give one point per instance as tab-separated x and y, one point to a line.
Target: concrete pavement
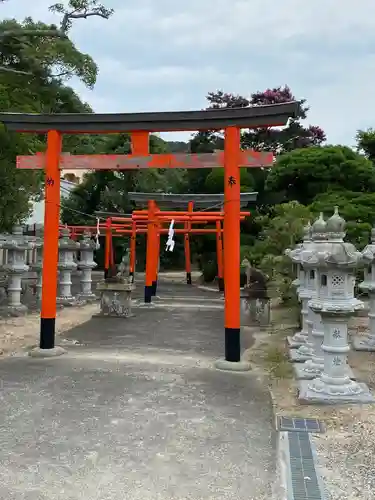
136	410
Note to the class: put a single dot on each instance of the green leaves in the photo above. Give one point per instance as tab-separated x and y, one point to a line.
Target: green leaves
43	58
36	50
35	60
366	143
79	9
305	173
358	209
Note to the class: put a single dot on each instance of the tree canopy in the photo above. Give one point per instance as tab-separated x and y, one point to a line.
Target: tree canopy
36	61
303	174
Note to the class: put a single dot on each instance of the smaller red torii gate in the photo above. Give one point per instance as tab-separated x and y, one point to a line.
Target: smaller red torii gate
154	218
131	227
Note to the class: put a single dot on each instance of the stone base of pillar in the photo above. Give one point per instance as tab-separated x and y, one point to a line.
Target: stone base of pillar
329	394
37	352
231	366
297	340
144	305
13	311
364	343
297	356
301	373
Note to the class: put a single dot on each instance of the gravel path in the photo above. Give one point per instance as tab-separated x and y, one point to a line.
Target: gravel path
346	452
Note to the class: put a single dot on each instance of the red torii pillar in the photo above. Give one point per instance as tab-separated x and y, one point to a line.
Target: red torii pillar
133	242
51	243
232	209
156	257
140	146
219	256
187	247
151	257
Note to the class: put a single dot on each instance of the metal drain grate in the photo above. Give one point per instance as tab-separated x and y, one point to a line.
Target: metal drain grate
292	424
305	484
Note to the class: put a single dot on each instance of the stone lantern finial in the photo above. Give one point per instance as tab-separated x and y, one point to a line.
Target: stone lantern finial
336	225
319	228
65	232
17	230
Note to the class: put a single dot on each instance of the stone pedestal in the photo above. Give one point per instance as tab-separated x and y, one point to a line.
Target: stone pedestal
37	267
300	338
335	384
305	351
312	356
330	344
16	246
66	264
367	342
254	312
304	286
115	299
86	264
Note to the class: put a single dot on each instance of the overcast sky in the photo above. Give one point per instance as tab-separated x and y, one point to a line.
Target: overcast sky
160	55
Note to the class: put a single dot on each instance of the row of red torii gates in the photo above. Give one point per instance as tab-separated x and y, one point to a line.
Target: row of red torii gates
151	223
139	126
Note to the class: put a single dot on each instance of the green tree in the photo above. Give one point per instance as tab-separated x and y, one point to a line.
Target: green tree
41	51
35	61
305	173
366	143
281	229
358	209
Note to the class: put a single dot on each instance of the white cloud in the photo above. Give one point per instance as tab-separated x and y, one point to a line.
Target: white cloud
167	54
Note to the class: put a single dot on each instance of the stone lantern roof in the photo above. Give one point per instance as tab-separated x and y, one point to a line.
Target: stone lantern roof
335	226
334	251
294	253
319	229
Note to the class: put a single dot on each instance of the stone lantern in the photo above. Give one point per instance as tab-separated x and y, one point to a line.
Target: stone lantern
336	262
66	264
16	245
86	264
367	343
302	284
311	353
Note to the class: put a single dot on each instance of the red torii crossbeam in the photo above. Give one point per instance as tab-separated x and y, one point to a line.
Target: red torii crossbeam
248	158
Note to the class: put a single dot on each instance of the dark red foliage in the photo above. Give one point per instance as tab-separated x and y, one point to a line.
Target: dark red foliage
295	135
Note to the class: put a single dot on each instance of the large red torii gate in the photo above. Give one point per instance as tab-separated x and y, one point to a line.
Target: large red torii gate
139	125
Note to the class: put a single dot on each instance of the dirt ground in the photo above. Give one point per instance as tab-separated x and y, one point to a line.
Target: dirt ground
19	333
346	451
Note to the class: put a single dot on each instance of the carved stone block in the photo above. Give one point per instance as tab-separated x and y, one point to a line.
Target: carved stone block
115	299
